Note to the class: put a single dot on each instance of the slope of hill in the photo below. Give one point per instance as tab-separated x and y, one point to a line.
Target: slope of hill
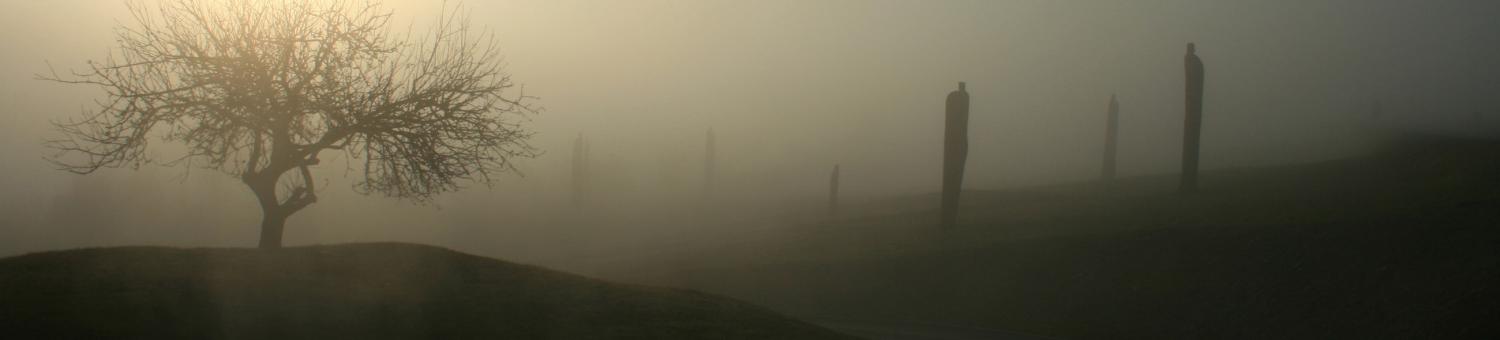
1404	243
350	292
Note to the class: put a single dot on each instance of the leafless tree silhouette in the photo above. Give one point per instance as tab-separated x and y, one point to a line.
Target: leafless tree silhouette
258	89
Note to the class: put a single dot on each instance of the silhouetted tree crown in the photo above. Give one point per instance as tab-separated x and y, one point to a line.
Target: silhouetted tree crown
258	89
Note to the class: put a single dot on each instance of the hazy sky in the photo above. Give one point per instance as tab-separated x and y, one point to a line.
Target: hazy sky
793	87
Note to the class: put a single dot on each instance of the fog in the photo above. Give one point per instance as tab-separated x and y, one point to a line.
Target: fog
790	89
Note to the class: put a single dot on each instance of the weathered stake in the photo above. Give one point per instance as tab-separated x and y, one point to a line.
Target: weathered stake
833	191
709	164
1193	122
580	170
1111	136
955	153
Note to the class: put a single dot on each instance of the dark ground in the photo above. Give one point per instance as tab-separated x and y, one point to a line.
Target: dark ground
361	291
1401	244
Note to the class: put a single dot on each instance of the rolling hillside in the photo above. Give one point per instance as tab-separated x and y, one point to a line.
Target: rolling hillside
1403	243
359	291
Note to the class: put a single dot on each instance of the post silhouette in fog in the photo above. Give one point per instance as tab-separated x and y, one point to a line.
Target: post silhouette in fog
955	153
833	191
580	170
1111	137
1192	120
710	146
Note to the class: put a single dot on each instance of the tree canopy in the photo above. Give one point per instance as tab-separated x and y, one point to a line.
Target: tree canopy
258	89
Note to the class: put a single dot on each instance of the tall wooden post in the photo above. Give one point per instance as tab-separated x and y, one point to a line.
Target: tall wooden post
580	170
709	163
1193	122
1111	137
955	153
833	191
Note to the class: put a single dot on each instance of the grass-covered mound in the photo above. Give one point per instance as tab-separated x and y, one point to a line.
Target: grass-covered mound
350	292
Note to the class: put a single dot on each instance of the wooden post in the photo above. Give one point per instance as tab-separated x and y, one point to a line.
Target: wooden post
833	191
709	164
955	153
1111	137
1192	122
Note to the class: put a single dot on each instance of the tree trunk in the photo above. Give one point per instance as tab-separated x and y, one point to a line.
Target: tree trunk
272	218
271	226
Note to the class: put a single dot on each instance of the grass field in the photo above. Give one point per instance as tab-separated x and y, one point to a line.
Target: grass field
360	291
1404	243
1401	243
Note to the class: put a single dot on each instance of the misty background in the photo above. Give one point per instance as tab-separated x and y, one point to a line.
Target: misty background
790	89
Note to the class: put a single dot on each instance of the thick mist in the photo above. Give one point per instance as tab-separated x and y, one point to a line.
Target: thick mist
790	89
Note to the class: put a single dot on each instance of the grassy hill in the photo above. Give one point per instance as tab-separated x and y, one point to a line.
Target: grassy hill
1404	243
350	292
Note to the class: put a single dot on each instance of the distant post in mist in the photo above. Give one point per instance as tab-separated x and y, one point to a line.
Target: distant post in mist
580	170
955	153
1193	121
1111	136
833	191
709	164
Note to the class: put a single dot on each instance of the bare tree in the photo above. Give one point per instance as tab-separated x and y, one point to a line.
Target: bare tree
258	89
